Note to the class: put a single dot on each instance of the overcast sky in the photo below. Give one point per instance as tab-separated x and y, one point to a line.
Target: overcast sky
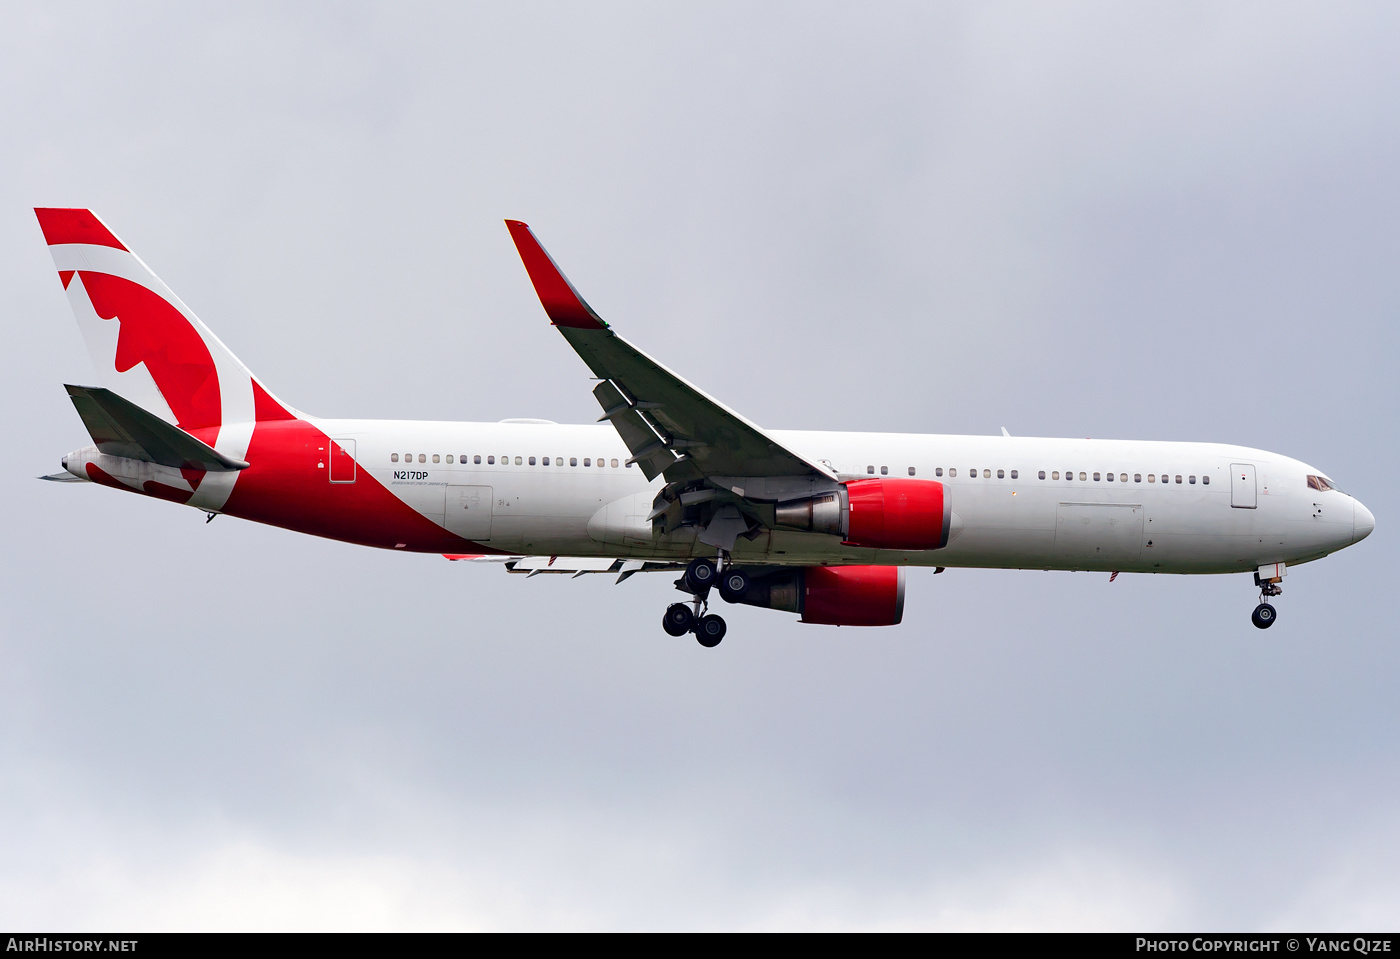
1178	221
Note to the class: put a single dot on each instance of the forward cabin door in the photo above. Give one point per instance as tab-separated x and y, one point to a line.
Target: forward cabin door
1242	488
469	512
342	460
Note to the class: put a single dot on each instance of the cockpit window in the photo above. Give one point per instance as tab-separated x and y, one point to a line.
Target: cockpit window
1320	483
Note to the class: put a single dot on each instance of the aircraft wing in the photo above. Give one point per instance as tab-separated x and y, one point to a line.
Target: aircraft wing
670	426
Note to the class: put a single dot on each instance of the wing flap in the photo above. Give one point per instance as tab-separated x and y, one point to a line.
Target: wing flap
121	428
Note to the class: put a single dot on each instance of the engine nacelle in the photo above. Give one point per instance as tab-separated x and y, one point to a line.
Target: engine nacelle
834	595
906	514
898	514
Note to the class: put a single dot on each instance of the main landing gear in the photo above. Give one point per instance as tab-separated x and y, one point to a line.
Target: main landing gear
699	577
1264	614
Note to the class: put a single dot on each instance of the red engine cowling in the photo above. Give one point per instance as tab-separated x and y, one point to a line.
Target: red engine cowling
898	514
853	595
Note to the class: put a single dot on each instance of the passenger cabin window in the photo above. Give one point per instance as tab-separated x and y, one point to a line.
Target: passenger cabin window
1122	477
1055	475
1096	477
449	458
952	471
1083	476
394	458
1205	480
573	460
422	457
1041	474
870	470
437	458
884	471
532	461
1015	474
1151	477
1178	478
911	471
1137	477
587	461
1110	477
938	472
1001	474
614	464
518	461
1191	480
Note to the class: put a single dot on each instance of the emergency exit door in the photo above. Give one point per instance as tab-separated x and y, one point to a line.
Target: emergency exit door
469	512
1242	487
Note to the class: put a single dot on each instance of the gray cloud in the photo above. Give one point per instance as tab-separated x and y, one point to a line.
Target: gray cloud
1174	222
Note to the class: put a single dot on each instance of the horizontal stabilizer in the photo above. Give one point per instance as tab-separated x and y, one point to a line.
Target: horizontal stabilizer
121	428
64	477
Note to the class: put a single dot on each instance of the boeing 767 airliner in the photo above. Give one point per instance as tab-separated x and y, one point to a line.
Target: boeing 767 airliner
821	524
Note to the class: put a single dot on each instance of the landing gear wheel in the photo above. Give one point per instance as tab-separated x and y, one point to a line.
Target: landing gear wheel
1264	616
709	630
678	620
733	585
700	575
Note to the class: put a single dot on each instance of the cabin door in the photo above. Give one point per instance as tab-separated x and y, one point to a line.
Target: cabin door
1242	488
342	460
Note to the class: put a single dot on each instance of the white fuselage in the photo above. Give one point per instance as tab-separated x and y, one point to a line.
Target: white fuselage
1116	504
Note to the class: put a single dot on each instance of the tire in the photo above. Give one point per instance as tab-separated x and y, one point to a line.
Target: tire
1264	616
678	620
709	630
733	585
700	575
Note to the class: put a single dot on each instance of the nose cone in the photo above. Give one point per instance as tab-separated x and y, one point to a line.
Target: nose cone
1362	522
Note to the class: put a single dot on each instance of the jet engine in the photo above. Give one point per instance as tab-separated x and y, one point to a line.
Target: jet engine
834	595
905	514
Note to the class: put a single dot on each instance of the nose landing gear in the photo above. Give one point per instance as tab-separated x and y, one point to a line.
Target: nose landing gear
1264	614
681	618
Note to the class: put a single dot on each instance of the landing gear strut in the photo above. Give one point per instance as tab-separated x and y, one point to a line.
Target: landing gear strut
1264	614
697	580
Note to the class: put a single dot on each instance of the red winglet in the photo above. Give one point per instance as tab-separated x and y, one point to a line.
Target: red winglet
74	226
557	295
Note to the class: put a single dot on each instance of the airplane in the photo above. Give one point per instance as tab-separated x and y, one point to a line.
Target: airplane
820	524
